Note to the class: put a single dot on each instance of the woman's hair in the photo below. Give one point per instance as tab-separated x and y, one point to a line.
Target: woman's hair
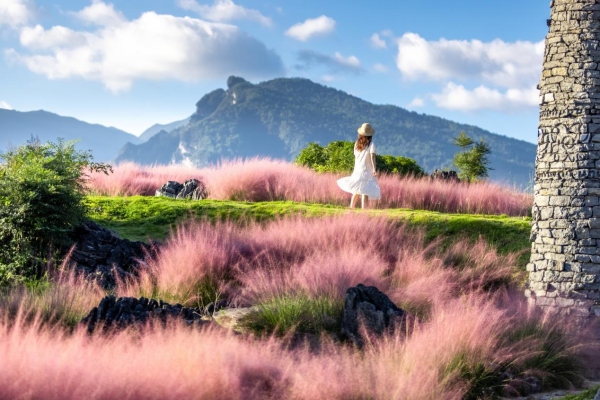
363	142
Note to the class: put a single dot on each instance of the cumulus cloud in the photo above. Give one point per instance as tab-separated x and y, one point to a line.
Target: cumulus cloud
377	42
311	27
504	64
457	97
100	13
15	13
336	63
504	75
224	10
155	47
4	105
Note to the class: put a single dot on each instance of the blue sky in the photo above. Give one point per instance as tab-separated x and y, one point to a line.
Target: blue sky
130	64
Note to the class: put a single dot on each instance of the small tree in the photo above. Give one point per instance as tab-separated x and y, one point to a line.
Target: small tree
42	187
472	162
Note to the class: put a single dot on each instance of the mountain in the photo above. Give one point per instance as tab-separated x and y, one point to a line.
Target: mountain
277	118
18	127
154	129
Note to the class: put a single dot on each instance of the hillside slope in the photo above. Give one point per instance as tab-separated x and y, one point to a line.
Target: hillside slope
278	118
17	127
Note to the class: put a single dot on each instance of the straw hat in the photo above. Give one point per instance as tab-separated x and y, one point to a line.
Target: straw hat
366	130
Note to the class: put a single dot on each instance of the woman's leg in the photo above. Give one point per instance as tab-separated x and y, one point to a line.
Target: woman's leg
364	200
353	200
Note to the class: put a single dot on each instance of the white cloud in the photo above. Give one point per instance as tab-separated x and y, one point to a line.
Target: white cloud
457	97
57	36
417	102
377	42
4	105
311	27
504	64
380	68
15	13
154	47
350	61
336	63
224	10
328	78
100	13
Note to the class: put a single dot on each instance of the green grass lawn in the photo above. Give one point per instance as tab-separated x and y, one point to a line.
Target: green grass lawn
143	218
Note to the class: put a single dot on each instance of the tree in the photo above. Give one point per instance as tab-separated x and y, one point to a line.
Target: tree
338	156
472	162
42	187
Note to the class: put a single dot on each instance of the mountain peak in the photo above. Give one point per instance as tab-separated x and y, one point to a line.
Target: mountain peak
235	80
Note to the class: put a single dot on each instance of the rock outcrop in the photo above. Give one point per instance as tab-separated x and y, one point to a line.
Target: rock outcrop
191	189
124	312
103	256
368	310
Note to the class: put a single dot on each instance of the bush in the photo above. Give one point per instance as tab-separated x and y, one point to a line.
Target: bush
338	157
41	193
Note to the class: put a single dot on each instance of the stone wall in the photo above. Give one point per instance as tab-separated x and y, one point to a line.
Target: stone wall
564	271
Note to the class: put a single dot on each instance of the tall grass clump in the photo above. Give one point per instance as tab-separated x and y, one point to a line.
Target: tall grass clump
261	179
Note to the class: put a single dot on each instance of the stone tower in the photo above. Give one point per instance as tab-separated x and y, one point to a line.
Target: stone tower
564	271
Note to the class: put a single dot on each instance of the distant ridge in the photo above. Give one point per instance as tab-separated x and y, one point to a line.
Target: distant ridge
277	118
154	129
17	127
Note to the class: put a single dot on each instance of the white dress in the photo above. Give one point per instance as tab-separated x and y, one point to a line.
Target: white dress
362	180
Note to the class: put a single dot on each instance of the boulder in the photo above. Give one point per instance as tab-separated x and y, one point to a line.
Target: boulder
368	311
192	189
124	312
170	189
103	256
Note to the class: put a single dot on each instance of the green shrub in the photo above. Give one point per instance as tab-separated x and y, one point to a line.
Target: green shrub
338	156
295	313
41	201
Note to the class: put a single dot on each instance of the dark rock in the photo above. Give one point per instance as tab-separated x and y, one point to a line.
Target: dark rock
442	175
191	189
125	312
597	396
367	310
170	189
104	257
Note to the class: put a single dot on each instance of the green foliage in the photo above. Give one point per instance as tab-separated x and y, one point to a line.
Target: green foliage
585	395
472	161
482	381
143	217
41	201
297	313
338	156
551	358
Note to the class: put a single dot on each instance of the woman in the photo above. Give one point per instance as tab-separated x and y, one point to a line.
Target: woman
363	181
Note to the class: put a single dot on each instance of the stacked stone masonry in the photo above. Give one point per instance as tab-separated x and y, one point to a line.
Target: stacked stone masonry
564	270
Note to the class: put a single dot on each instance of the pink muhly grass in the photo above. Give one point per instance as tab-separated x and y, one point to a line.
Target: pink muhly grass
263	179
130	179
67	298
195	252
321	274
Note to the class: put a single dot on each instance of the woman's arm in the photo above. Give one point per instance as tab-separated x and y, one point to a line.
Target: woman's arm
373	161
